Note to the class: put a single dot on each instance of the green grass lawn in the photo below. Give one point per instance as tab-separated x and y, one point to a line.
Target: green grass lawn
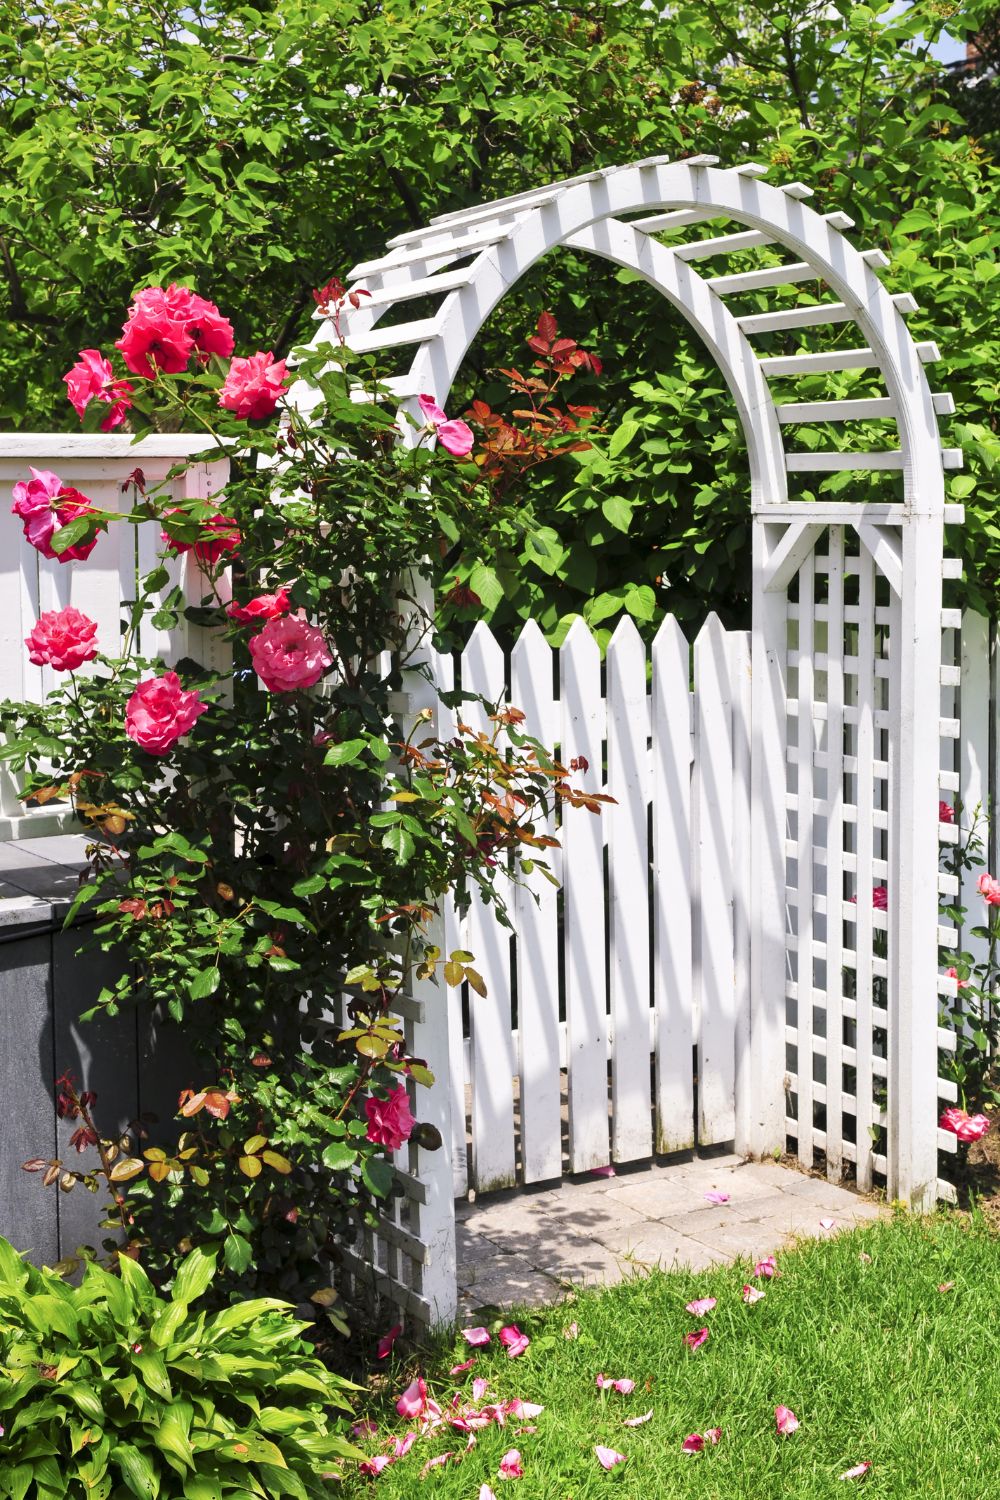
855	1336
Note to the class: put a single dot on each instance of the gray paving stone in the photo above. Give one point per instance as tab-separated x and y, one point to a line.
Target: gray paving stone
510	1280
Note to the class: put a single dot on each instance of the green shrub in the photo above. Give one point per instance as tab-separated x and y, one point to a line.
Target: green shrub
110	1391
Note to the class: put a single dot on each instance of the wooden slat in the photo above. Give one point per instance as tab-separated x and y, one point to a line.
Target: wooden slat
672	890
713	789
834	853
864	740
419	286
804	864
28	1213
380	338
836	359
830	463
628	862
740	689
811	317
585	918
439	249
493	1063
974	759
537	924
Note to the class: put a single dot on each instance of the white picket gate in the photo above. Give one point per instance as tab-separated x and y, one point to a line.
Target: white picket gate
610	986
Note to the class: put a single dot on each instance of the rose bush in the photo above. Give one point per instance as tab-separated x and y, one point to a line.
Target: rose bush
269	844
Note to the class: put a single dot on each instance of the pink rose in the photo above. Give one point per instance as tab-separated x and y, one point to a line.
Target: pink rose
967	1127
453	435
223	535
253	387
92	379
988	888
45	504
166	325
63	639
160	712
961	984
264	607
785	1420
946	813
390	1122
289	654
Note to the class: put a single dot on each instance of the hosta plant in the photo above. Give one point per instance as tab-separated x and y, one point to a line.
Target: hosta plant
110	1391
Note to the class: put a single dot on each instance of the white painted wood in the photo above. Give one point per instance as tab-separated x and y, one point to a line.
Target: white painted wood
493	1063
740	691
628	864
672	889
537	923
893	458
834	852
714	884
974	761
804	884
585	919
420	286
755	281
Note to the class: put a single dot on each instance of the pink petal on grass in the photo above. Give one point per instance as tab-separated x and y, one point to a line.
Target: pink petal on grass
480	1386
435	1463
402	1445
486	1493
752	1294
386	1342
696	1339
768	1267
858	1472
510	1465
364	1429
700	1306
523	1409
716	1197
413	1401
713	1435
608	1458
461	1369
693	1443
372	1467
514	1341
477	1337
638	1421
572	1332
785	1420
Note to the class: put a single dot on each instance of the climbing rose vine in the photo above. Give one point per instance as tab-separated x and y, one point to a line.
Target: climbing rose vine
269	843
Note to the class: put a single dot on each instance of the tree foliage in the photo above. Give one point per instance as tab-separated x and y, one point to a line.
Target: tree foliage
272	146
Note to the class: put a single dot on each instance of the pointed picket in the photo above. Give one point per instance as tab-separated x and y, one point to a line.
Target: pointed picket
628	866
492	1046
671	792
584	915
714	885
537	926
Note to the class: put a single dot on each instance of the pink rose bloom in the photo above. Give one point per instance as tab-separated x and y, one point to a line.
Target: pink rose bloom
390	1122
208	330
166	325
264	607
92	379
454	435
253	387
45	504
880	898
952	973
967	1127
223	535
289	654
63	639
988	888
946	813
160	712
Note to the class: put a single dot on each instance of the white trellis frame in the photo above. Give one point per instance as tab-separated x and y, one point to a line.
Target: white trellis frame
846	642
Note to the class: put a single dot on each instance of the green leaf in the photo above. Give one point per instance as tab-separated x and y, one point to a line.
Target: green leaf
194	1277
484	582
400	843
618	511
137	1471
348	751
339	1157
237	1253
204	983
70	534
622	436
311	886
377	1174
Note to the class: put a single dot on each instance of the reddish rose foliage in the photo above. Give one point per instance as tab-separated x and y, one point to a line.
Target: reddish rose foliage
220	535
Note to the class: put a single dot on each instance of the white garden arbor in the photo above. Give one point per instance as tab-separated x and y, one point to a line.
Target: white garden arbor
835	1023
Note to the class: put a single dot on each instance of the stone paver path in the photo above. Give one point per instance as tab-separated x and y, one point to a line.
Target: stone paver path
532	1245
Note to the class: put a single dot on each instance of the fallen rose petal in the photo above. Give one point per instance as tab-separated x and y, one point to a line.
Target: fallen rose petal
699	1307
696	1339
434	1463
752	1294
716	1197
402	1445
525	1431
602	1172
510	1465
713	1435
858	1472
486	1493
624	1387
518	1408
693	1443
785	1420
477	1337
827	1223
413	1401
461	1369
363	1429
767	1267
638	1421
946	1286
372	1467
571	1332
480	1387
608	1458
385	1344
514	1341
